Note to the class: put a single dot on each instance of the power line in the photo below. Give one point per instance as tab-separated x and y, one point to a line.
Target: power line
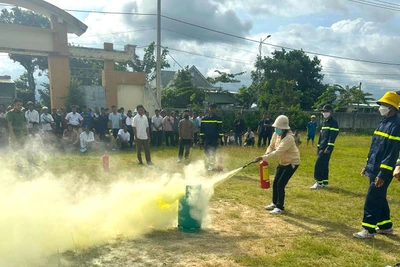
194	37
372	4
110	12
174	60
385	2
113	33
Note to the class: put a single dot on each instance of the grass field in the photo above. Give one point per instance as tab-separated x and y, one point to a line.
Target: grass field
316	229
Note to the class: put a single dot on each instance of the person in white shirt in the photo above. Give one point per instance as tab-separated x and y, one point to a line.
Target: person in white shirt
46	119
142	136
74	118
128	122
87	139
31	116
123	138
249	137
156	124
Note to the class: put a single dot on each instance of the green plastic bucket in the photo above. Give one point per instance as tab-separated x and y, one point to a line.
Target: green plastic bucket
186	223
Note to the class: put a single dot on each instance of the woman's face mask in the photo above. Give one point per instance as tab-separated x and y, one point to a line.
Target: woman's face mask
278	131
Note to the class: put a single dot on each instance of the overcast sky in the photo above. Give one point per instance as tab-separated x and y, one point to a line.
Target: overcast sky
333	27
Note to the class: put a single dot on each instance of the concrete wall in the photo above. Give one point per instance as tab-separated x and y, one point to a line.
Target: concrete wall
95	96
354	120
129	96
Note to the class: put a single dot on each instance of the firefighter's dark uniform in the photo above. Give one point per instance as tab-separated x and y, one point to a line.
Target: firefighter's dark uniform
382	157
211	133
327	137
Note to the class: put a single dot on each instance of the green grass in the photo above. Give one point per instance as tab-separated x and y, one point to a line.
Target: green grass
316	229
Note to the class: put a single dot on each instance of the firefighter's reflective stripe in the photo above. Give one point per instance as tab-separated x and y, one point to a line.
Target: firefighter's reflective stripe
331	144
384	222
201	134
398	160
368	225
384	166
221	134
391	137
211	121
330	128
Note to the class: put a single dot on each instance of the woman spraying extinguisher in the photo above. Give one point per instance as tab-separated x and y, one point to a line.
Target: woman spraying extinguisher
283	146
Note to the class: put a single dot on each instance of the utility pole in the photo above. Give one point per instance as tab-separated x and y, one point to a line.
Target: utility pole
258	70
158	67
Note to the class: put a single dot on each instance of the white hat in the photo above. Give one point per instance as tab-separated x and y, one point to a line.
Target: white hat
282	122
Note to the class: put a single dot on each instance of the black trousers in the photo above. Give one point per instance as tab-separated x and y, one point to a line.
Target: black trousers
185	144
130	131
157	138
282	177
321	168
262	138
210	150
376	207
269	137
145	144
168	137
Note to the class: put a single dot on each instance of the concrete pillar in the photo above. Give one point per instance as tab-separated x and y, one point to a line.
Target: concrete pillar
110	79
59	72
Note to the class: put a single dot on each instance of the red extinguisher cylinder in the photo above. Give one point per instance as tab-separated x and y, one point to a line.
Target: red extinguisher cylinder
264	175
106	162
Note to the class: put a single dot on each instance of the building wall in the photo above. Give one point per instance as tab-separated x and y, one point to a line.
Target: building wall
129	96
95	96
351	121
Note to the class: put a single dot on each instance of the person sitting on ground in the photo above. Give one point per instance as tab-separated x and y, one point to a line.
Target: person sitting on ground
70	137
87	140
249	138
231	138
297	138
123	139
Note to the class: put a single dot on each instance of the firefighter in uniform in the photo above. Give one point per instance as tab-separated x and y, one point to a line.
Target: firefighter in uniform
382	157
210	134
326	143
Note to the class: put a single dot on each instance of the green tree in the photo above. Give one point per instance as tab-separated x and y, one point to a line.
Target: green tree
183	92
45	95
279	94
329	96
75	96
246	96
148	63
225	77
293	66
31	64
22	87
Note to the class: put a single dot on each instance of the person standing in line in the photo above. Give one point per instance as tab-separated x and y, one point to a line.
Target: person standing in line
57	120
249	138
31	116
149	119
311	130
239	129
381	161
128	122
102	124
116	122
167	123
142	135
3	127
175	129
282	146
156	122
17	124
326	143
210	134
196	122
269	129
63	114
87	117
186	136
123	115
262	132
46	120
74	118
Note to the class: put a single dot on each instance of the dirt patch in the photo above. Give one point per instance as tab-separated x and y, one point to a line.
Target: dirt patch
235	230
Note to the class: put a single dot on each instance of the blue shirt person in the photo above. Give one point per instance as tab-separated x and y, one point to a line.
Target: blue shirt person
311	130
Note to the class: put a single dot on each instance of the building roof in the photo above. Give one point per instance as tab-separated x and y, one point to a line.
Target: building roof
6	79
166	77
199	80
220	98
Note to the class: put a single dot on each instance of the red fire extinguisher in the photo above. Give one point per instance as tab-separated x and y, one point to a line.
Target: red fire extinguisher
105	162
219	164
264	175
